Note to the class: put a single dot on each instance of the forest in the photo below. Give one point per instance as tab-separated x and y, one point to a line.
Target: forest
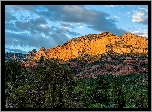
51	85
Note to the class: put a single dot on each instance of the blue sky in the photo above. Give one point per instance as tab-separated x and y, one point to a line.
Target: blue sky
30	27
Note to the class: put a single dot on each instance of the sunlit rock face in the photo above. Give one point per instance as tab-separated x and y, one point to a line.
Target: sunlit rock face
94	44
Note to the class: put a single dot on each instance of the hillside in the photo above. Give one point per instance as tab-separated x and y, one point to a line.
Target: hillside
77	83
94	44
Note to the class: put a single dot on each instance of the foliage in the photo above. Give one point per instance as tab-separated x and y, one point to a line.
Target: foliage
51	88
16	75
108	91
50	85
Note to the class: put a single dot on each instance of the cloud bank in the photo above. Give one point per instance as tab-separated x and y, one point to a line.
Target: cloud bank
51	25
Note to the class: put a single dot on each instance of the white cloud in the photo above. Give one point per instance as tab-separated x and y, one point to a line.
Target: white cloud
81	27
140	17
131	5
143	9
65	27
144	34
128	13
116	17
135	32
109	6
68	36
42	25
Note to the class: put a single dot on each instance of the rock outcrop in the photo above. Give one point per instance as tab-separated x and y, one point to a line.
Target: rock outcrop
94	44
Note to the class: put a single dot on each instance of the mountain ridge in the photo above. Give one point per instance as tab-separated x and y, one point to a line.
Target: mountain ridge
94	44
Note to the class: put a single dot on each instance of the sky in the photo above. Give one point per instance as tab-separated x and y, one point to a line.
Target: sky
29	27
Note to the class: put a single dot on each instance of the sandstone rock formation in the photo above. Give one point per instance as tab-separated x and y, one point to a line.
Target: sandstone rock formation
94	44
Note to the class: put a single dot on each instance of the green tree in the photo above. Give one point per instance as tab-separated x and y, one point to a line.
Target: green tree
16	75
97	91
51	88
117	93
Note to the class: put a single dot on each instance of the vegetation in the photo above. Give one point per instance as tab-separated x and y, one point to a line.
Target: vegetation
108	91
47	86
51	85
